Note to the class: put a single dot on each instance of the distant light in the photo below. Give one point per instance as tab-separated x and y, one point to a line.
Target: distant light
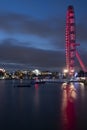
76	74
36	71
65	70
3	70
72	71
83	78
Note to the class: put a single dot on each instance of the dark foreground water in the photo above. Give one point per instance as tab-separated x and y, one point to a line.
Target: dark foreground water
50	106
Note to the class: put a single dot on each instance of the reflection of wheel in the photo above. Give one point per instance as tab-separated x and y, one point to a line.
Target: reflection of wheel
70	40
72	93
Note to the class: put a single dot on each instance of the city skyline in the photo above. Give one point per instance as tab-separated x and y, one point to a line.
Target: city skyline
32	33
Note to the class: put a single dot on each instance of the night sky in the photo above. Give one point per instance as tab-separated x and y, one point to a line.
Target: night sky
32	33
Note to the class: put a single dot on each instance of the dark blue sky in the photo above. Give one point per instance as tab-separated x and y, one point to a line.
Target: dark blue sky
32	32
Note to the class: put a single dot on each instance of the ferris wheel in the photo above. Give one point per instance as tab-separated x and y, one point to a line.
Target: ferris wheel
70	40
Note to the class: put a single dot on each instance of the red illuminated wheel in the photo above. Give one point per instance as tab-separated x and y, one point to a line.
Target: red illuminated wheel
70	40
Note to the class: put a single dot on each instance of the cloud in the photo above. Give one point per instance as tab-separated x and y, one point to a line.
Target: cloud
81	29
82	32
12	22
10	53
51	28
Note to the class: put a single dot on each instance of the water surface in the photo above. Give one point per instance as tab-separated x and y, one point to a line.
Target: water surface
50	106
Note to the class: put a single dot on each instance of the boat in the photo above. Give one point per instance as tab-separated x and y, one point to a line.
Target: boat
37	81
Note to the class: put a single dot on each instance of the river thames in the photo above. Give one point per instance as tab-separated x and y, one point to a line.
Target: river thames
49	106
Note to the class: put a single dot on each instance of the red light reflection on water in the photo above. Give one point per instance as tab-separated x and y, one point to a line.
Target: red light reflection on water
36	87
68	116
36	96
